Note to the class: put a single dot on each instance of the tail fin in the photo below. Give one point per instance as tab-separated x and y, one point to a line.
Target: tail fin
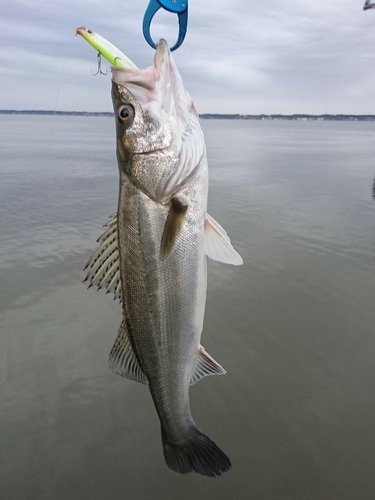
199	454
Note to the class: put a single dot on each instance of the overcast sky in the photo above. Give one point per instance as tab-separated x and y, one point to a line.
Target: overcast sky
239	56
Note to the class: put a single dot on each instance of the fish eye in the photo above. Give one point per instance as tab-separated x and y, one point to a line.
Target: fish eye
89	31
126	113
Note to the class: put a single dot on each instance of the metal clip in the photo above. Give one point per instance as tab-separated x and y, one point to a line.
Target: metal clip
368	5
179	7
99	60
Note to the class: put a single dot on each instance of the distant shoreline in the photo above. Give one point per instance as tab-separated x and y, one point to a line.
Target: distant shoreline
208	116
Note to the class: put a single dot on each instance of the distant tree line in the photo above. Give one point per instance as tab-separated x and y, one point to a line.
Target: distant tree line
207	116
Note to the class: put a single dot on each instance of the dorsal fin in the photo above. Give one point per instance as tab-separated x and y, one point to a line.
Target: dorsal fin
205	365
122	358
104	264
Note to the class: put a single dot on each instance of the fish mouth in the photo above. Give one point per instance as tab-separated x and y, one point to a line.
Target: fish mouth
149	79
159	86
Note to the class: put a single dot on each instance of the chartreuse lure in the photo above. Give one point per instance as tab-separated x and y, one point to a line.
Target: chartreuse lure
106	49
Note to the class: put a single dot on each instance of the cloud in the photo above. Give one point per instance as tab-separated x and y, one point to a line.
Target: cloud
238	57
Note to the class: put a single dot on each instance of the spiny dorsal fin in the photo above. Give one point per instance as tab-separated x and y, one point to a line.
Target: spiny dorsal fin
104	264
217	244
205	365
122	358
172	227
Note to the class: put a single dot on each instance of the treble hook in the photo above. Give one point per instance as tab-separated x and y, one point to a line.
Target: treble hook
368	5
99	61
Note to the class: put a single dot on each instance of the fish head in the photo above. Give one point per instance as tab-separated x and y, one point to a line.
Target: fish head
159	136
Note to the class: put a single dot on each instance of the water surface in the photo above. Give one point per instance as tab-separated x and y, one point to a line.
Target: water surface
293	327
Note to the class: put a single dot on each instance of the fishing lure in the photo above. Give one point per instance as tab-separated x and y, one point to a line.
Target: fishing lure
105	49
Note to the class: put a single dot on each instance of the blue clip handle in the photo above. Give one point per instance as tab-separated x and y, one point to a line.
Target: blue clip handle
179	7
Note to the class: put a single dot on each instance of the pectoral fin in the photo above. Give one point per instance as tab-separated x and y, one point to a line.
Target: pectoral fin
172	227
205	365
122	358
217	244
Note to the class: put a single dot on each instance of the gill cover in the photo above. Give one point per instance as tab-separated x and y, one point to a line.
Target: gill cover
165	126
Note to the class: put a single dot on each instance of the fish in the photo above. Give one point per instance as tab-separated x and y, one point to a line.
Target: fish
153	253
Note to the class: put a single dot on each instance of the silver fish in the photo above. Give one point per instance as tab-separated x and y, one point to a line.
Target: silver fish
153	254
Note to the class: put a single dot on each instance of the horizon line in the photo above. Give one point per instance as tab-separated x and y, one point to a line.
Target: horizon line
202	115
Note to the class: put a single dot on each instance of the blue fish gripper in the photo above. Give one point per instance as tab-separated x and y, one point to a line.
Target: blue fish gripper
179	7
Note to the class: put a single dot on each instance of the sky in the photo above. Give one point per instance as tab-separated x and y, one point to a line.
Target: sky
239	56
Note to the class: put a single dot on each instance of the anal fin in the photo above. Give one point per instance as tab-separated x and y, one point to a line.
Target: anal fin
122	358
205	365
